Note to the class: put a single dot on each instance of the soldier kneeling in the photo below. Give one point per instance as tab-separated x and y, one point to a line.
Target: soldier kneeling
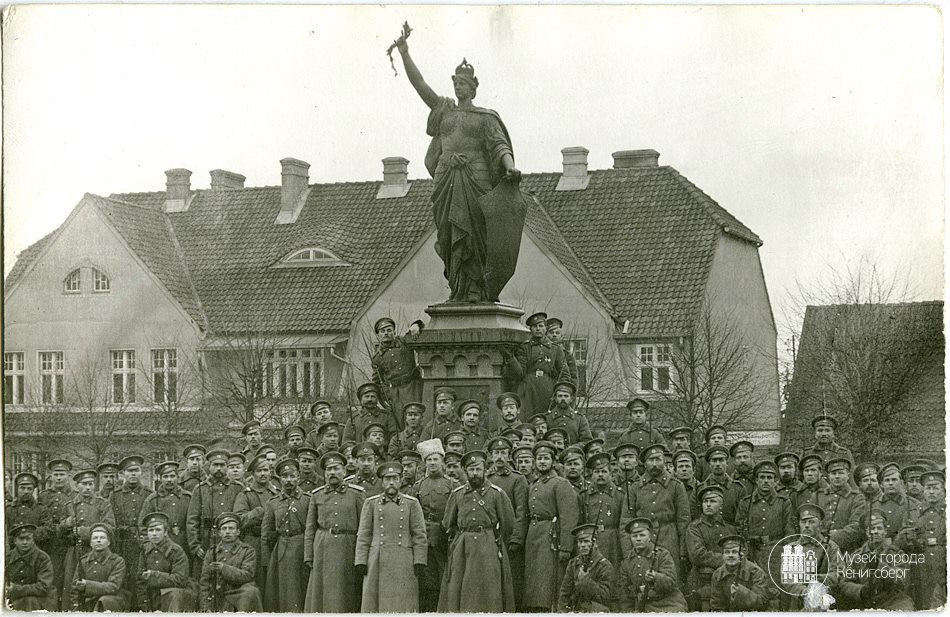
587	582
29	584
647	582
164	581
99	576
227	575
738	584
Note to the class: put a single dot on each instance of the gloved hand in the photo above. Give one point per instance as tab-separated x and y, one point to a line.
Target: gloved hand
360	569
419	569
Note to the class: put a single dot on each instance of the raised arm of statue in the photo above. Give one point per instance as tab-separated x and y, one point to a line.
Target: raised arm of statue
426	93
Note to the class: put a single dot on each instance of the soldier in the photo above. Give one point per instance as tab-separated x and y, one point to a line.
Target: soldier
564	416
214	496
320	414
552	514
227	573
29	572
813	541
845	507
659	497
473	435
367	456
412	434
865	477
375	434
108	475
900	511
512	435
812	468
98	582
523	457
236	461
587	585
647	582
911	477
391	547
540	423
330	541
680	438
310	479
738	584
410	461
394	367
346	449
626	479
293	437
558	437
327	437
825	445
640	433
509	410
282	537
58	499
535	366
554	329
702	546
764	518
85	510
26	509
445	419
480	519
453	467
601	505
684	462
743	480
872	581
249	505
253	439
164	583
529	435
172	501
572	462
715	435
127	505
594	446
454	442
717	462
370	412
931	540
788	482
515	486
194	456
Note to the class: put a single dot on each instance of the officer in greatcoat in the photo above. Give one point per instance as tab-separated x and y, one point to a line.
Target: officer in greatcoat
282	540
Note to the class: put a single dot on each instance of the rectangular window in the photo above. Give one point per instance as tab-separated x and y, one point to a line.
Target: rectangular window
164	375
294	373
34	462
578	349
52	373
655	364
13	378
123	376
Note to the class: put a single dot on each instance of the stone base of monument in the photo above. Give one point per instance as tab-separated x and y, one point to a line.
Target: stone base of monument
462	346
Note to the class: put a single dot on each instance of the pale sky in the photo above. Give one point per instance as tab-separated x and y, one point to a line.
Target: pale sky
819	127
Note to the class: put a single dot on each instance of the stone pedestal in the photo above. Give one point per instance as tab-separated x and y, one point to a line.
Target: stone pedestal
461	347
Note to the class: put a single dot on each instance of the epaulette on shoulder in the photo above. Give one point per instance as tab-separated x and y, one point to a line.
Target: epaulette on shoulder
317	490
460	486
376	496
497	488
409	497
357	487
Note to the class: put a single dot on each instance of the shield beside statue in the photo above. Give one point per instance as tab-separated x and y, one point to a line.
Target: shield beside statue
504	209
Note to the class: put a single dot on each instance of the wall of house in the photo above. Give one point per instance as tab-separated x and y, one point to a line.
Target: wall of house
736	288
539	284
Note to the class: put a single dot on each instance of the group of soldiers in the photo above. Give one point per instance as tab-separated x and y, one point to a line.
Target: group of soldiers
534	514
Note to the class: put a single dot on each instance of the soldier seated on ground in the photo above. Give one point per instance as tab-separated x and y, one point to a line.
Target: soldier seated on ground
738	584
227	576
99	576
587	586
165	584
29	573
647	582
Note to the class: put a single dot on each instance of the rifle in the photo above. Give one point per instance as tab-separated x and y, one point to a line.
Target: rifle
644	592
214	575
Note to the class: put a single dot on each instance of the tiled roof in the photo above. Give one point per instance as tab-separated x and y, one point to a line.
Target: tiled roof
640	241
25	258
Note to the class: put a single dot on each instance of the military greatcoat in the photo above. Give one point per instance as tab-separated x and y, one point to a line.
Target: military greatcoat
104	573
845	509
333	518
57	502
396	373
249	505
85	513
433	495
29	580
553	511
633	590
174	504
705	555
587	586
209	499
752	588
535	366
232	589
28	510
282	540
663	499
168	587
603	507
574	423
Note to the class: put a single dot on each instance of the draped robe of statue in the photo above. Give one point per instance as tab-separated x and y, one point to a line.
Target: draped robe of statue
479	252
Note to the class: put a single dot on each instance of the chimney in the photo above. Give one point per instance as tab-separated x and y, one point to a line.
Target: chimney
222	180
574	176
625	159
178	193
293	189
395	178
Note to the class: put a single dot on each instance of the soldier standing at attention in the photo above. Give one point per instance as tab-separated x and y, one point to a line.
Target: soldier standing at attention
410	461
555	333
865	478
788	483
572	462
214	496
445	419
394	368
601	505
743	480
552	514
931	540
320	414
127	505
333	516
524	463
717	461
293	437
172	501
309	477
25	509
282	538
640	433
370	413
509	410
715	436
812	467
249	506
194	456
825	445
702	545
367	457
515	486
844	506
564	416
108	474
535	366
57	499
408	437
253	439
684	464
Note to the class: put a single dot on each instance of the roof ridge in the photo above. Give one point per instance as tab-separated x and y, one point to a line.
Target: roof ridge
877	304
125	203
715	210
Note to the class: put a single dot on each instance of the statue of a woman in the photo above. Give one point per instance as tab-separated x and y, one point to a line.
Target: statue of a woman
470	154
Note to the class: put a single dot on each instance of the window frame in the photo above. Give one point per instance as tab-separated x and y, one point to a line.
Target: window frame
66	281
327	259
168	368
649	362
57	387
578	349
17	376
276	374
126	372
96	275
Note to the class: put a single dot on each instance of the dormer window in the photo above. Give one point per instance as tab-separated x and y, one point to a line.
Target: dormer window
72	283
100	282
310	257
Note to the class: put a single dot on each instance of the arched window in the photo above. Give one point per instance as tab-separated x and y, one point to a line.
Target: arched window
71	284
100	282
311	256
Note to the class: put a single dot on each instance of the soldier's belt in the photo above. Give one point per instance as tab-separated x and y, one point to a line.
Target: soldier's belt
537	519
401	380
283	533
477	529
341	532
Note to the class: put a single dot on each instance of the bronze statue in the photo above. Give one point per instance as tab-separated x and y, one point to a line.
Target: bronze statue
478	206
